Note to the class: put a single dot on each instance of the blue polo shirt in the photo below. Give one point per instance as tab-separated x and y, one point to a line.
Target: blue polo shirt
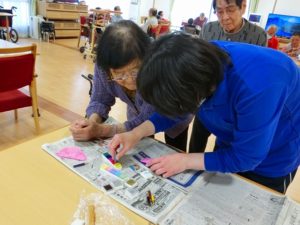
254	113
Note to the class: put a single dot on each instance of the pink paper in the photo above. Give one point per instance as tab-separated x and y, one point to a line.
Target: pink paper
72	153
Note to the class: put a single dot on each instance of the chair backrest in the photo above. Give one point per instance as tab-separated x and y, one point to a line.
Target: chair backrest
47	26
17	67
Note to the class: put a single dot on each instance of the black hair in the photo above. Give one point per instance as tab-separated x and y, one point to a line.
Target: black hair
190	21
296	33
117	8
237	2
179	71
120	44
159	13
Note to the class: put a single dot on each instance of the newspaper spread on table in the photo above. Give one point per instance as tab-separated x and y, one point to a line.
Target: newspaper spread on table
131	184
226	199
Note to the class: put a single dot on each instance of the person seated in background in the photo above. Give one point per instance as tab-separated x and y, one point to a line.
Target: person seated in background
293	48
151	23
200	20
160	15
163	23
231	26
120	52
273	41
190	28
117	15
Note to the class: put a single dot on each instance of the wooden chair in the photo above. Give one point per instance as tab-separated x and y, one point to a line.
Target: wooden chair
17	71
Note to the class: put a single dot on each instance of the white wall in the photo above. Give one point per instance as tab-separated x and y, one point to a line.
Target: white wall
165	6
288	7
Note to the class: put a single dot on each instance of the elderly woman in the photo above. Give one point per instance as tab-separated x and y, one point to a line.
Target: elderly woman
120	53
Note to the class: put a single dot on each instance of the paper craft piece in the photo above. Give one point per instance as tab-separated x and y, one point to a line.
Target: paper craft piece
108	158
72	153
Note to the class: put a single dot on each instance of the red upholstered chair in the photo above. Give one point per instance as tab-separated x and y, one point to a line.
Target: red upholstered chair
17	71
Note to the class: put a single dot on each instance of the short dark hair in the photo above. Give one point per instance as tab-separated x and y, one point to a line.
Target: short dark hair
190	21
159	13
237	2
179	71
296	33
117	8
121	43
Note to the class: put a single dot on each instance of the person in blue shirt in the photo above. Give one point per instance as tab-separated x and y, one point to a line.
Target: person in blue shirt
247	96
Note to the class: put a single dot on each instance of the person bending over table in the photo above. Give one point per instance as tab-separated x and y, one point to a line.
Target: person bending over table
121	50
248	100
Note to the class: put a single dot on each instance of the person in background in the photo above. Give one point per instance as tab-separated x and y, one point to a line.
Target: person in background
160	15
231	26
120	52
250	102
293	48
117	15
190	28
151	23
200	20
163	22
273	41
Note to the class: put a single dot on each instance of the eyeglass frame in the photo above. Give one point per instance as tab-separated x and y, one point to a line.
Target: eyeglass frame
124	76
230	10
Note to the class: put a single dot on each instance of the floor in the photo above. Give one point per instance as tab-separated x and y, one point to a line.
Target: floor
63	96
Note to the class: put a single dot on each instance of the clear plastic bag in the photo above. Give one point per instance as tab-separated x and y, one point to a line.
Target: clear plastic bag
98	209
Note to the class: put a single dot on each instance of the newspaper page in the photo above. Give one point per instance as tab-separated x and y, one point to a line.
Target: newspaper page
130	185
290	213
227	199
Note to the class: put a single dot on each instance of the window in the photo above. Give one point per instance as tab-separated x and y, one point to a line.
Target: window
22	18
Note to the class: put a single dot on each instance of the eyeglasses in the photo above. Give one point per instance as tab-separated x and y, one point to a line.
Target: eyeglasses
230	10
124	76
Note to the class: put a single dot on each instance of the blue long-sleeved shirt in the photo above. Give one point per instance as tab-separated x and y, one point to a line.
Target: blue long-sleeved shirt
254	113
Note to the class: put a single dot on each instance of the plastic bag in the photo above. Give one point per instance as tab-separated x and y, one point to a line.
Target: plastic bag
98	209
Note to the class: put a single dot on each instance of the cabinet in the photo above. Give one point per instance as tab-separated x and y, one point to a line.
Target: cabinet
66	17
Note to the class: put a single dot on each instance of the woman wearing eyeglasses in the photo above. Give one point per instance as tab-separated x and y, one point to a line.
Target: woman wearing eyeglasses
119	56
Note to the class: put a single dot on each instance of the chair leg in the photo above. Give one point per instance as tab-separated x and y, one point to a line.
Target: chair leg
16	114
33	94
79	37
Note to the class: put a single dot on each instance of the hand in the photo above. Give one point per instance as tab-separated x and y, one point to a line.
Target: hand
84	130
122	143
170	165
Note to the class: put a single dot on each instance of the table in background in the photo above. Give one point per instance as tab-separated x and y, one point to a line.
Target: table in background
7	44
37	189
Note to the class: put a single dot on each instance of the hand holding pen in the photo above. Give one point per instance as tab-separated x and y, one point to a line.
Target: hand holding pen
122	143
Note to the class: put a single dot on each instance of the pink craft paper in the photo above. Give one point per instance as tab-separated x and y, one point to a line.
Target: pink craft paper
72	153
145	160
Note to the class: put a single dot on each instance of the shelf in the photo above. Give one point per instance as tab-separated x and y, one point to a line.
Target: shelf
64	15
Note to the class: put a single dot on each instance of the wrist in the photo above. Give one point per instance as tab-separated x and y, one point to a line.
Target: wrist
109	130
195	161
95	118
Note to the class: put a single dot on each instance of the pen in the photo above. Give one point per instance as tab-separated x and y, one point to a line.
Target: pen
150	198
79	165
